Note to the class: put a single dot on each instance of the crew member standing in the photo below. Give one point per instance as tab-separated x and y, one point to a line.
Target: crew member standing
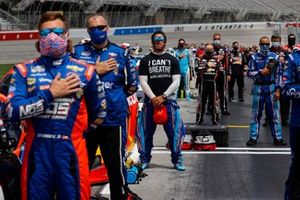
120	80
221	55
237	66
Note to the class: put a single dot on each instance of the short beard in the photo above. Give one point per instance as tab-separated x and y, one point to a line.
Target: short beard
158	50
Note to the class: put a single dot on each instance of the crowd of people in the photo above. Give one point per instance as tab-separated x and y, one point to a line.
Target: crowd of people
73	99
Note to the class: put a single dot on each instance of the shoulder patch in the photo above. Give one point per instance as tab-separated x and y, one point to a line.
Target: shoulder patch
22	69
89	68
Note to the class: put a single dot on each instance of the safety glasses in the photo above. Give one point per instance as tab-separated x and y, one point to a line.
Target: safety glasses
101	28
57	30
159	39
265	44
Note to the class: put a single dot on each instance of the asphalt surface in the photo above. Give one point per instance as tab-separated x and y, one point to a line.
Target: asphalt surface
234	172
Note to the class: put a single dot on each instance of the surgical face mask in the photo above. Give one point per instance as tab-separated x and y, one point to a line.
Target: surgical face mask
276	44
291	41
264	49
97	35
53	45
216	42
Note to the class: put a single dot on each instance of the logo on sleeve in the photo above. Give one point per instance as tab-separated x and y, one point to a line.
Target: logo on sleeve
37	69
85	53
31	81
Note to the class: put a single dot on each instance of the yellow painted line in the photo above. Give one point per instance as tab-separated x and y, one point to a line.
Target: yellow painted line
238	126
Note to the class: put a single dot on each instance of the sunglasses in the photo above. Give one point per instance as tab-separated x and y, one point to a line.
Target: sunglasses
265	44
159	39
101	28
56	30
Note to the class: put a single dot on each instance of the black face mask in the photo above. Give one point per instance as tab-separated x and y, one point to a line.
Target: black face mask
181	46
291	41
209	52
236	48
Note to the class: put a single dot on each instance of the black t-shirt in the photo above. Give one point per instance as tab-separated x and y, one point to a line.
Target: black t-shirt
159	69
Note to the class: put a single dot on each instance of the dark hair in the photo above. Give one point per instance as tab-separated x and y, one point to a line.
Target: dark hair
216	34
291	35
49	16
273	37
263	38
181	39
235	42
95	15
158	32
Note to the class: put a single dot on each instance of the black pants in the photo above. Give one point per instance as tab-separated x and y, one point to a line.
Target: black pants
240	84
284	109
10	170
221	89
208	92
110	140
292	185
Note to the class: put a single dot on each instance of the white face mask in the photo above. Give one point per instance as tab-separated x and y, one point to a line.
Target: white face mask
216	42
275	44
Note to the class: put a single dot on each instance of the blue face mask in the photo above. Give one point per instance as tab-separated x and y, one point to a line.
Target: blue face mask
98	36
264	49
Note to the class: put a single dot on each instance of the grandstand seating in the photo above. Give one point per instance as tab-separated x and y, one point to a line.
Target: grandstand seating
285	6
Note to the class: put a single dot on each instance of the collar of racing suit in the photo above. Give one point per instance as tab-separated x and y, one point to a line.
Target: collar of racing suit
102	49
49	61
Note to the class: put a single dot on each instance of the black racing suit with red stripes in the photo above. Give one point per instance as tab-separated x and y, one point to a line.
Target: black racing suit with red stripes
207	70
237	63
221	55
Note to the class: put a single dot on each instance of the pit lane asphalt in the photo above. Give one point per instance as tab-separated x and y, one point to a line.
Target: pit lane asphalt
255	173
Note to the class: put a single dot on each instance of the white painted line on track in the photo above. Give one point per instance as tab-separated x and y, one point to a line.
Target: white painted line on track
225	152
254	148
240	148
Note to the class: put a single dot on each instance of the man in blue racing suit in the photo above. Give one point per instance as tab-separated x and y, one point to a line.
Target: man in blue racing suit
264	72
120	80
291	90
183	55
57	96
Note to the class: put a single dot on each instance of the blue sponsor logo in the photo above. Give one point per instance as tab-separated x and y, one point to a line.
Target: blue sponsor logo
134	31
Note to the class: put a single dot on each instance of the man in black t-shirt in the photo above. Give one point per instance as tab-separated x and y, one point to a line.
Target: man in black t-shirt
159	76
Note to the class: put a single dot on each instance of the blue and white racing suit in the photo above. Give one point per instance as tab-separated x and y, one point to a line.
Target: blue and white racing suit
291	90
118	84
55	159
184	66
263	92
174	129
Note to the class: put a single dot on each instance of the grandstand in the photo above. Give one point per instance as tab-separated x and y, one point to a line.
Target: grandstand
24	14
